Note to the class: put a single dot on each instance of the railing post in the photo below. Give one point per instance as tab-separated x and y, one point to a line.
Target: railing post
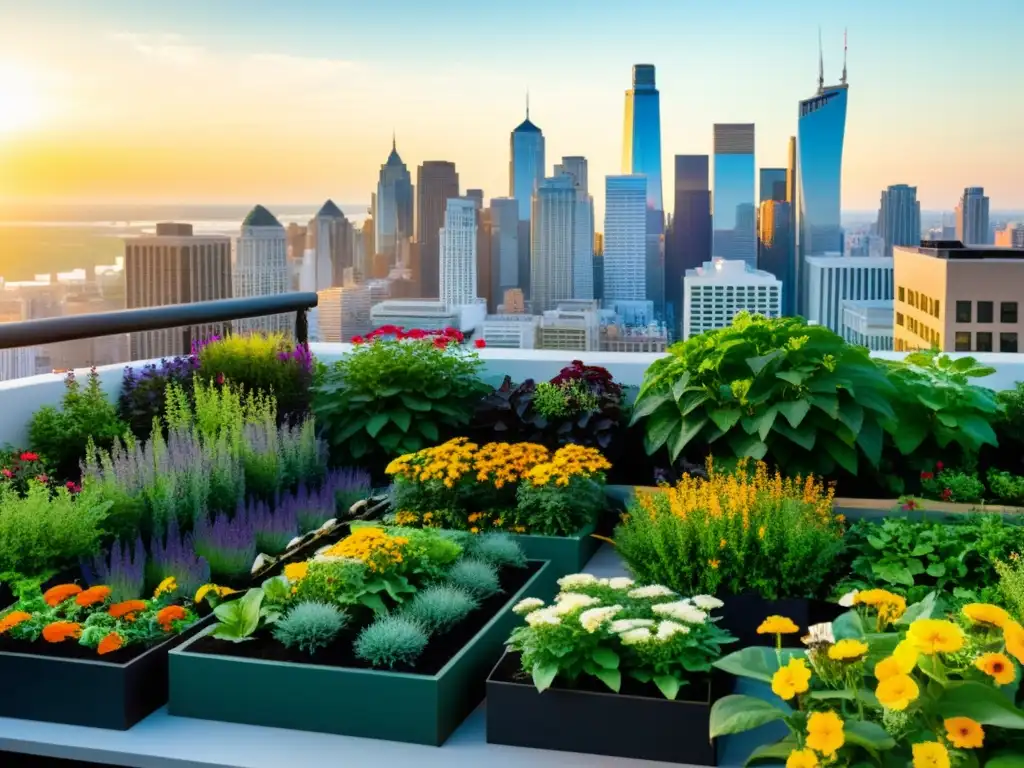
301	327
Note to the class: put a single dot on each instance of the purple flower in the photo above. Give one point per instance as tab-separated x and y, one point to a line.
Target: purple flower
274	527
229	546
340	490
124	572
175	555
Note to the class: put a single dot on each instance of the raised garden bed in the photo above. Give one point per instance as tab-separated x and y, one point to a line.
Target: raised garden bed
215	680
566	554
637	723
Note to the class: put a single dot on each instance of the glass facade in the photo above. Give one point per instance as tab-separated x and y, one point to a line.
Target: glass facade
772	185
733	199
393	209
689	243
526	168
820	132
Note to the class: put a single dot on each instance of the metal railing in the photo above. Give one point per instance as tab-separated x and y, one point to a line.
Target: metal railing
52	330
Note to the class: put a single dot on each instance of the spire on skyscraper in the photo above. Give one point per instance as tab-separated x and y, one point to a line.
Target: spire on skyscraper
393	145
821	65
527	103
843	79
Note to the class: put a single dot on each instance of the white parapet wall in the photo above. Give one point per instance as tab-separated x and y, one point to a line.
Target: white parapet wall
20	398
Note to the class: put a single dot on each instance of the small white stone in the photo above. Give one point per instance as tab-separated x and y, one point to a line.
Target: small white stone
294	542
327	526
261	562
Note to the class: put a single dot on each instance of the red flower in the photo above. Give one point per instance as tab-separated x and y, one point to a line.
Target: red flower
220	378
479	343
358	340
440	342
72	486
29	456
416	333
938	466
927	475
42	479
910	505
7	473
946	494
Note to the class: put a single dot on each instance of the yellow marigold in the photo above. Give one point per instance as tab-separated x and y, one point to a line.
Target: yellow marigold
848	650
59	631
802	758
777	625
13	619
997	666
964	733
902	661
54	596
791	679
206	589
887	668
1013	635
166	587
825	732
713	564
296	571
372	546
92	595
931	636
985	614
930	754
110	643
406	518
896	692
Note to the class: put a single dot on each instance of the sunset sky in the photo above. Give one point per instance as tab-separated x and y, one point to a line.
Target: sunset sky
268	101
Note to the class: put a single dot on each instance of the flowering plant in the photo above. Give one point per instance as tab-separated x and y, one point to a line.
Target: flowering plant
142	396
946	484
886	684
439	337
611	629
18	468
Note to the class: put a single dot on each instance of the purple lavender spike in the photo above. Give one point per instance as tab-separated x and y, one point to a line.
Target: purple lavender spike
177	556
124	572
228	544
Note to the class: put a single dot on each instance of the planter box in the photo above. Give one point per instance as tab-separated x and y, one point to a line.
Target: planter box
610	724
422	709
565	554
87	692
743	614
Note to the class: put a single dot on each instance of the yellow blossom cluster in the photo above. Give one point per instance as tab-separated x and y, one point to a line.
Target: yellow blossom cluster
505	463
447	463
568	462
890	607
373	546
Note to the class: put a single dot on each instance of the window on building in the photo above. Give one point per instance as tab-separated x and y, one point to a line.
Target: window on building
1008	312
936	308
899	318
1007	342
963	312
962	342
983	341
903	293
984	311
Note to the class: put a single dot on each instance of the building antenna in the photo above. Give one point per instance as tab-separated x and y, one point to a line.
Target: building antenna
393	140
843	80
527	103
821	64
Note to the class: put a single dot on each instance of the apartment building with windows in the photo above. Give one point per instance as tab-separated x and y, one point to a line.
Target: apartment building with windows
718	291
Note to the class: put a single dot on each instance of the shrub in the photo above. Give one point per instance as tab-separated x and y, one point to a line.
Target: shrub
736	532
19	468
952	485
440	607
498	549
477	577
143	398
310	626
391	641
779	387
1011	421
339	582
1011	584
63	435
1006	487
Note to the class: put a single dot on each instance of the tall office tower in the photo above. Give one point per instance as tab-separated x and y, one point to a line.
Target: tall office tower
526	164
641	154
551	242
775	248
583	233
733	202
393	206
792	192
477	196
690	246
369	237
972	226
1010	236
504	245
458	253
625	238
486	279
899	217
261	268
832	280
719	290
174	267
343	312
575	166
437	182
772	184
297	236
332	241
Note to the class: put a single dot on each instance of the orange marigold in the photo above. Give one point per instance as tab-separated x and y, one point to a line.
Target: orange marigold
13	619
165	616
127	609
110	643
56	595
92	595
59	631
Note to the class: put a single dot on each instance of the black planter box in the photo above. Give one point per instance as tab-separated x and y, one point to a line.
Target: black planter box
88	692
610	724
743	614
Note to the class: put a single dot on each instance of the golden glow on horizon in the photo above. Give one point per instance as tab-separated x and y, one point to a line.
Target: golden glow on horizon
21	105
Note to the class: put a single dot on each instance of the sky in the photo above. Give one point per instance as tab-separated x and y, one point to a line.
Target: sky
264	101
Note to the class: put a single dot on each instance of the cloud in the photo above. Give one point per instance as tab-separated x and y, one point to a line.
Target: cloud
167	47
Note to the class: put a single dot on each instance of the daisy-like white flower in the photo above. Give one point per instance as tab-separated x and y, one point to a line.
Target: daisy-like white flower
669	629
592	619
651	592
707	602
681	610
620	582
636	636
523	607
625	625
543	616
847	600
577	580
567	602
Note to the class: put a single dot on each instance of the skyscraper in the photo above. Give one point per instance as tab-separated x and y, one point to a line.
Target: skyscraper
436	183
733	200
261	268
972	225
332	243
393	207
551	242
504	245
625	238
772	184
526	165
583	227
690	243
641	154
775	248
899	217
458	253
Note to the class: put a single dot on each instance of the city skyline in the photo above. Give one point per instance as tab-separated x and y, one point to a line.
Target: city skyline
126	103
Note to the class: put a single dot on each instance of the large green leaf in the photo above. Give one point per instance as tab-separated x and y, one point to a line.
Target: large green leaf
647	404
919	610
238	619
725	418
777	752
668	685
893	573
980	702
757	364
736	714
851	414
680	385
805	436
400	417
845	456
415	402
869	439
794	411
1005	760
688	430
869	735
827	403
428	429
544	675
744	445
978	428
757	662
659	427
692	400
791	377
910	433
610	677
869	398
376	423
848	626
605	657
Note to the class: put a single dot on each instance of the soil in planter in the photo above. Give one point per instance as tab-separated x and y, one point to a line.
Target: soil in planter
439	651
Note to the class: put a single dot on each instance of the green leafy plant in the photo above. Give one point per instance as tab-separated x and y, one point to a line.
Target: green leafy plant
239	619
20	468
1011	583
1006	487
310	626
570	398
952	485
477	577
391	641
768	387
440	607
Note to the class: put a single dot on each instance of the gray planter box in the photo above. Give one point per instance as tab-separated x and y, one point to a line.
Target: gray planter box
566	554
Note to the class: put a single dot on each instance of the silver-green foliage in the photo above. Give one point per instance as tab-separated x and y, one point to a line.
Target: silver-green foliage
391	641
476	576
440	607
498	549
310	626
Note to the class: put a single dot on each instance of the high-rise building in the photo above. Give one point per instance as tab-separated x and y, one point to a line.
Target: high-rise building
331	238
514	302
868	323
972	225
343	312
583	228
831	280
733	201
526	164
458	253
477	196
436	183
510	331
641	154
486	277
575	166
599	266
261	268
504	245
393	205
1010	236
690	243
720	289
571	326
625	231
772	184
551	242
175	267
899	217
775	249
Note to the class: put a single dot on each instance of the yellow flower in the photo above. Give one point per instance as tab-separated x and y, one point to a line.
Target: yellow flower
296	571
165	587
902	662
997	666
897	691
371	545
930	754
964	733
802	758
714	564
777	625
886	668
889	606
983	613
931	636
791	679
825	732
848	650
206	589
1013	634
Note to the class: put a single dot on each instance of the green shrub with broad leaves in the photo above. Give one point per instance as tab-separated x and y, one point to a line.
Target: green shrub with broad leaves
796	393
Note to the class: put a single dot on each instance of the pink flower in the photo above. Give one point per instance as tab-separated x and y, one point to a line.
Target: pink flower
479	343
29	456
42	479
72	486
6	473
220	378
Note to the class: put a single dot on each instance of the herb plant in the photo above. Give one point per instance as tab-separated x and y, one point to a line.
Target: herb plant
310	626
143	398
1006	487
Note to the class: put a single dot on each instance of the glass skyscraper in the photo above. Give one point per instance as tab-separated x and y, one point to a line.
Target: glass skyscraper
689	243
393	206
899	217
821	128
526	166
733	200
625	229
641	154
772	185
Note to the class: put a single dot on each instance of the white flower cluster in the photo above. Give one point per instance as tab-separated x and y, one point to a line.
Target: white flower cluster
682	610
652	592
625	625
567	602
636	636
618	582
577	580
523	607
669	629
541	616
593	618
707	602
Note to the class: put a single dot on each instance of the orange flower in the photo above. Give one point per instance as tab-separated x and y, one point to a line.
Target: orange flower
165	616
56	595
127	609
92	595
13	619
110	643
59	631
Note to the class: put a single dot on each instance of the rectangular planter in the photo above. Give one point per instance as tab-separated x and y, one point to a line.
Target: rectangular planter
88	692
566	554
378	704
610	724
